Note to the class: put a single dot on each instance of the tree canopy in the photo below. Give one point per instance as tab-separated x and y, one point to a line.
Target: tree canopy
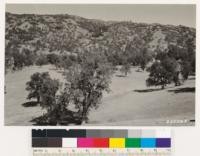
43	88
86	82
161	73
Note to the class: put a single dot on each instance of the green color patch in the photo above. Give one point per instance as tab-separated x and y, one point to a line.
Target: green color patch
133	142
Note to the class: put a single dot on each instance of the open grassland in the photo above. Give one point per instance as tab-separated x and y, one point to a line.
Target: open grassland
129	103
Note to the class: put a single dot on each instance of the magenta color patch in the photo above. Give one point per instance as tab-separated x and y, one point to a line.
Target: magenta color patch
85	142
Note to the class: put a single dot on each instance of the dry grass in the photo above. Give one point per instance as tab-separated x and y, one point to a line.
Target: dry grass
129	103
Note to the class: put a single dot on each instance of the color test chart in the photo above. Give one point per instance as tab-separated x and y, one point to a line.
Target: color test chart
74	142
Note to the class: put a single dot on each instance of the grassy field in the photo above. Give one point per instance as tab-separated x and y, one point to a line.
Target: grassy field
129	103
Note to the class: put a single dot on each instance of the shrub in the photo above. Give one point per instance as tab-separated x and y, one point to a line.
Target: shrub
41	60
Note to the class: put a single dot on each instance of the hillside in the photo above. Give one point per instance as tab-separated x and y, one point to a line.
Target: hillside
89	57
73	34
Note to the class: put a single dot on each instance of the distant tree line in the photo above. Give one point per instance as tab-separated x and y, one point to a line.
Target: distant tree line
16	60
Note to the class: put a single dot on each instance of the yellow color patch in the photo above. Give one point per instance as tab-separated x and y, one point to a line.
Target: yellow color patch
117	142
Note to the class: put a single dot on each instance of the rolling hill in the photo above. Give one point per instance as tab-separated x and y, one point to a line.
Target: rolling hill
73	34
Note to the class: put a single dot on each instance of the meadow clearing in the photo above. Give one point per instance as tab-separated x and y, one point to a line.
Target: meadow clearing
129	103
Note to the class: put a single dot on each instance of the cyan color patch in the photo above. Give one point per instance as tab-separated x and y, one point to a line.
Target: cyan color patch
148	142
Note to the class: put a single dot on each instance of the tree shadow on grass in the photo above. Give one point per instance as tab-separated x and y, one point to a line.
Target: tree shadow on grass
139	70
30	104
120	75
183	90
191	78
67	118
192	120
147	90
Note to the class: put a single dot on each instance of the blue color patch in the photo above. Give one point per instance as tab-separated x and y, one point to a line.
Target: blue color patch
148	142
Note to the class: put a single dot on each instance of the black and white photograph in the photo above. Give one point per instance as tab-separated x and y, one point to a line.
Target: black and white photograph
100	64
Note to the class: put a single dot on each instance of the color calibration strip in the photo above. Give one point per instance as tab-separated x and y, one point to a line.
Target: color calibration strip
60	138
103	142
101	152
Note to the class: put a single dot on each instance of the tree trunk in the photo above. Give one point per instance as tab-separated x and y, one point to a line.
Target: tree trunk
38	99
163	86
84	114
126	73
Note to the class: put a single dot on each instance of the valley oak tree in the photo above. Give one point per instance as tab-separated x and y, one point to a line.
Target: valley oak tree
161	72
42	88
48	92
86	82
125	69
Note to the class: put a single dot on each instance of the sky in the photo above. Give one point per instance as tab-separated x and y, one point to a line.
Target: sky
175	14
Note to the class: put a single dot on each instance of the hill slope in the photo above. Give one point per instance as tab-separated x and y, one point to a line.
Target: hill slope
59	33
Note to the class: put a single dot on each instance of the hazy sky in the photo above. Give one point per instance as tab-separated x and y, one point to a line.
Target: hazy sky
149	13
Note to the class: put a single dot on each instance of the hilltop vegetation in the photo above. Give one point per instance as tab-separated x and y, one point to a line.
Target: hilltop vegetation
30	36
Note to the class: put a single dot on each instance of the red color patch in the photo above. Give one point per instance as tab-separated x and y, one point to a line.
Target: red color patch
101	142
